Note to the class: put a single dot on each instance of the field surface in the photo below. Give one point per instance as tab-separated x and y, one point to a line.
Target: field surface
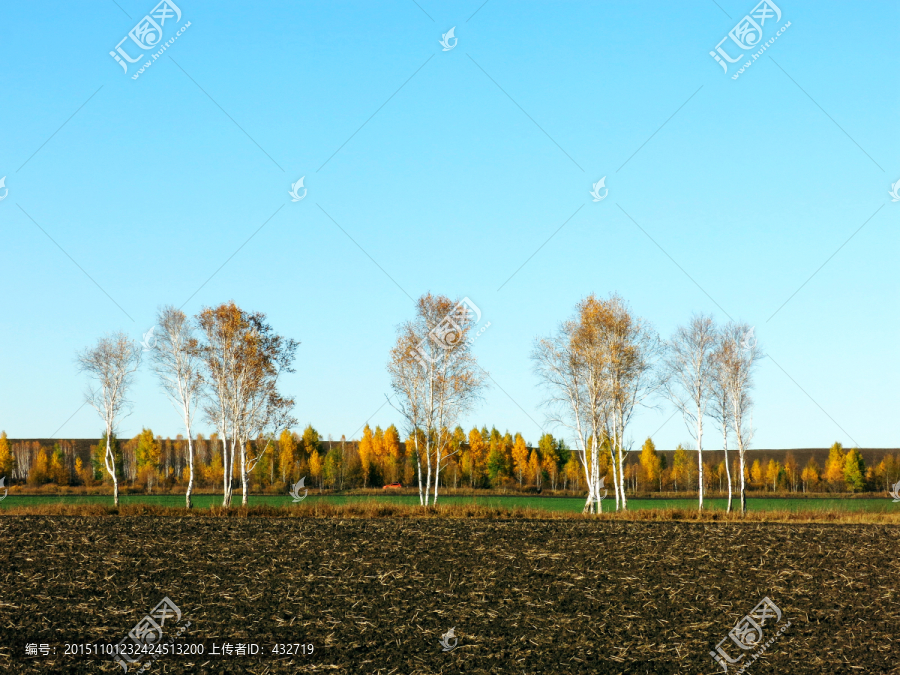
375	596
570	504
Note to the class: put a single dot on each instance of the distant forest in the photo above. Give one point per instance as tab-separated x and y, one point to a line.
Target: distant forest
481	459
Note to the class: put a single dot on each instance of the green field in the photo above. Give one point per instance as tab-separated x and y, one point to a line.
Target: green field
575	504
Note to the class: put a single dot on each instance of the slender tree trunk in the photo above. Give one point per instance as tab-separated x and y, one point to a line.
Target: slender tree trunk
110	459
226	473
588	504
617	442
190	487
427	470
615	473
599	501
593	478
419	468
727	467
437	475
245	476
589	464
700	459
621	475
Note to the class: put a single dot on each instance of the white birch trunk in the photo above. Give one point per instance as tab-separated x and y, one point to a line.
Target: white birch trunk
727	467
226	473
622	478
700	458
437	474
111	466
245	476
190	487
419	468
427	470
612	460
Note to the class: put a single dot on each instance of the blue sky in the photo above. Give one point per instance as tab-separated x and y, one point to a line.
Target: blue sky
449	170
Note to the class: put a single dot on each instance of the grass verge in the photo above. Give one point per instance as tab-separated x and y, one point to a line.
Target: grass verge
450	511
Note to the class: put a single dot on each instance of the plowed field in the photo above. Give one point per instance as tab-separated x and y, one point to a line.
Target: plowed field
375	596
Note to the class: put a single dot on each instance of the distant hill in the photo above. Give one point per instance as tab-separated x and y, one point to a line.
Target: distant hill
871	456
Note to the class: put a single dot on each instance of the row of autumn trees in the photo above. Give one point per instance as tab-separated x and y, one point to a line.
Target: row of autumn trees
605	362
485	459
224	363
596	370
842	471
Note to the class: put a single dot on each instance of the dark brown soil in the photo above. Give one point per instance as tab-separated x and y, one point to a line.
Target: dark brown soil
374	596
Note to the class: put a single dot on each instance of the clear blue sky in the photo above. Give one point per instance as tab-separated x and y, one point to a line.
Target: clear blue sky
725	196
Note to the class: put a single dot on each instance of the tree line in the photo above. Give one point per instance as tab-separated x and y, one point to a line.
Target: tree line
598	368
486	459
224	363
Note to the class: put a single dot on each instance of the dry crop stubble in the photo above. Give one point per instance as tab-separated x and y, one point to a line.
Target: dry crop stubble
525	596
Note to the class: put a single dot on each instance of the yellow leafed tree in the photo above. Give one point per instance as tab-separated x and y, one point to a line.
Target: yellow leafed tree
534	468
650	462
315	467
756	473
366	454
379	460
834	467
6	457
477	456
810	475
40	469
287	455
520	458
773	471
392	453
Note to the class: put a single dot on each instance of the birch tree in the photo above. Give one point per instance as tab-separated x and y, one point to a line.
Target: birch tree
720	407
630	348
570	366
561	368
436	380
220	350
176	361
740	355
112	363
592	341
266	411
598	368
688	376
244	360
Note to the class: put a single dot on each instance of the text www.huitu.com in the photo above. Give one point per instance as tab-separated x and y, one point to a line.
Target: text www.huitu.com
760	52
156	55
